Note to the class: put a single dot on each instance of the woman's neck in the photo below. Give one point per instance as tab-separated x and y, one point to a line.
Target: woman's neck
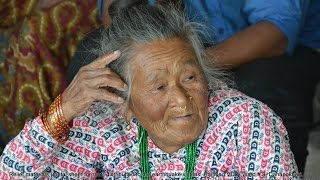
166	147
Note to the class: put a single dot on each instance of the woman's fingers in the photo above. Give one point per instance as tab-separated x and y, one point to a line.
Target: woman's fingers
103	94
102	61
106	81
101	78
91	83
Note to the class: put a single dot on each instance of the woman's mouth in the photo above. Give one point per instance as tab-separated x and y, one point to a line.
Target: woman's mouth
184	118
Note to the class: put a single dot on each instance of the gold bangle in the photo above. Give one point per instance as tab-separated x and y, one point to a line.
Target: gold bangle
46	125
60	113
62	120
58	121
60	128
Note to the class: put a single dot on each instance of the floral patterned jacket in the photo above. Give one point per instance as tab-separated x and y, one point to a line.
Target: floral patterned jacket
244	139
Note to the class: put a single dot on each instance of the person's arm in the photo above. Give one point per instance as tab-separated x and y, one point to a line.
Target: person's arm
36	145
273	30
261	40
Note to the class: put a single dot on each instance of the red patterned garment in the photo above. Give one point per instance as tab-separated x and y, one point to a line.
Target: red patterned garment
244	139
41	43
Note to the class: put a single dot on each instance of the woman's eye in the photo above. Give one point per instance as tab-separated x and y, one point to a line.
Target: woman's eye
159	88
189	78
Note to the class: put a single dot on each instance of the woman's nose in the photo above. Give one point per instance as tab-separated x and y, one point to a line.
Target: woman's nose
179	97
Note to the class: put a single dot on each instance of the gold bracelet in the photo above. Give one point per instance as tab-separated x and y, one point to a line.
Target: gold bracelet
47	126
61	115
54	118
62	120
58	120
60	127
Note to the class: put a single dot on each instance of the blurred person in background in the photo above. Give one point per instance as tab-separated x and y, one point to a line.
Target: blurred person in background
37	40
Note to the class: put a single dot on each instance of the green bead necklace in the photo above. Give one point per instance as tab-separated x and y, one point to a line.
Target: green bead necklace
144	164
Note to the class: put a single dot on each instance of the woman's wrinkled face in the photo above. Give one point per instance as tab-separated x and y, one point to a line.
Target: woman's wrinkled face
169	92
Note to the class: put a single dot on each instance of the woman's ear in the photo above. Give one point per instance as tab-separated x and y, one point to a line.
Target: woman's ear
128	114
126	111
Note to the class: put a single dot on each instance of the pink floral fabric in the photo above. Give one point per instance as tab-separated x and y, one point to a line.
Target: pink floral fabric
244	139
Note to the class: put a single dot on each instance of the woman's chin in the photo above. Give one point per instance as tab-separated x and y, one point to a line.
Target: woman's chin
186	129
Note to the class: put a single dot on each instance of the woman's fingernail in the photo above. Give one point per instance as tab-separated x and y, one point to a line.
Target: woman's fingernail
120	100
117	52
125	87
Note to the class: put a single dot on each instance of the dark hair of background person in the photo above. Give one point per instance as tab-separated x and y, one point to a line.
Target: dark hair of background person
119	5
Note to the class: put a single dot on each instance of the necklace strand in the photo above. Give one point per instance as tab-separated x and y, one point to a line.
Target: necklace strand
144	163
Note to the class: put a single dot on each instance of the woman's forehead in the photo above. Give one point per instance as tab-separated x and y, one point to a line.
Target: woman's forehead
163	53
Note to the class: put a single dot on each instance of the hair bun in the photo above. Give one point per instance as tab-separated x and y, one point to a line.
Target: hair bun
120	5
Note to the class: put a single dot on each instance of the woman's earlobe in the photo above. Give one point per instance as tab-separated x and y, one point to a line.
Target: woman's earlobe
128	114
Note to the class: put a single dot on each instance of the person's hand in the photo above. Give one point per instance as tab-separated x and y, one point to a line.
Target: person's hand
90	84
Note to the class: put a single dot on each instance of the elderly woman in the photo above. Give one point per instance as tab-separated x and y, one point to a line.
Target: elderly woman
175	119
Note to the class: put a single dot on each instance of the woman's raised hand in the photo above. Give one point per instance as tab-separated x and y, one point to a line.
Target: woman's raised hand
89	85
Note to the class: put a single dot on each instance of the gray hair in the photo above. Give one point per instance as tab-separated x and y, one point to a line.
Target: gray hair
144	24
